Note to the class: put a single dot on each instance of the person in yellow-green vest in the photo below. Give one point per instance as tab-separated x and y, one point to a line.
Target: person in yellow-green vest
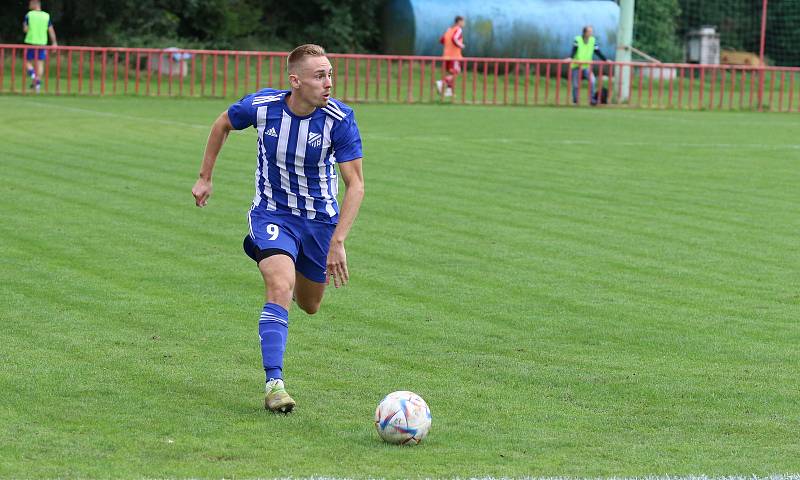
37	27
584	48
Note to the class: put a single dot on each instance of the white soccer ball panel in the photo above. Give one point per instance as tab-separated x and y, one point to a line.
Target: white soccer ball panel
403	418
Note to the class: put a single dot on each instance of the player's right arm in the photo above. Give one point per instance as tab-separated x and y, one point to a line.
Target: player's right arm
219	133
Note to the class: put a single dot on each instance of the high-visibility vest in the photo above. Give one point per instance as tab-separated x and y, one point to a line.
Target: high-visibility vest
38	23
451	50
585	51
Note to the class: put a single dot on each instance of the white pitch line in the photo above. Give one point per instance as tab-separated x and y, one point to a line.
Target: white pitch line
787	476
594	143
118	115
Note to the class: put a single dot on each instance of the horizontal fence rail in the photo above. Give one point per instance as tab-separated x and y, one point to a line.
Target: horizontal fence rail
406	79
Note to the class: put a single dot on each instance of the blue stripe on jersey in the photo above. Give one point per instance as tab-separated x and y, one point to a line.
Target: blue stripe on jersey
295	166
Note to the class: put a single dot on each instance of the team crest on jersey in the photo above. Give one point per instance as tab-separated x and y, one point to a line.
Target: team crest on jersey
314	139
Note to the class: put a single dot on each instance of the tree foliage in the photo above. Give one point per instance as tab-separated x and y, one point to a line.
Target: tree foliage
340	26
655	30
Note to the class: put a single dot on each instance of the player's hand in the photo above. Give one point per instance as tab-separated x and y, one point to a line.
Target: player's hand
201	191
337	265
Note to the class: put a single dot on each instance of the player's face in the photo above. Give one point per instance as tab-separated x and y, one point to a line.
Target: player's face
316	79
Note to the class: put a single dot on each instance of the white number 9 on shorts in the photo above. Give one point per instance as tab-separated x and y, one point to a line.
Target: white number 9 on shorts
273	231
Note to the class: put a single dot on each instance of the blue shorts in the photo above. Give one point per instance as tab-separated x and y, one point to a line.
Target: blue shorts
306	241
33	53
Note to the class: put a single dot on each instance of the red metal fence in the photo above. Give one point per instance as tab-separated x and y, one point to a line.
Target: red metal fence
406	79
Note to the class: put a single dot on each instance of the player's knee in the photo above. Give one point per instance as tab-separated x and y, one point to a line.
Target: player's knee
310	307
279	292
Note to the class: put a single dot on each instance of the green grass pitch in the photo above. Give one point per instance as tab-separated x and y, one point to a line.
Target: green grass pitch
575	292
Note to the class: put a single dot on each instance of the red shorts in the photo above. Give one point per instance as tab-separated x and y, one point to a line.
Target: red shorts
453	66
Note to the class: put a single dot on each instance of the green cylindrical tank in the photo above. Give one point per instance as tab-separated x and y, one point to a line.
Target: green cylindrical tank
507	29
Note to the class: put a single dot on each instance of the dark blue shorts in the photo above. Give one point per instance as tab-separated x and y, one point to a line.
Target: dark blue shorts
35	53
306	241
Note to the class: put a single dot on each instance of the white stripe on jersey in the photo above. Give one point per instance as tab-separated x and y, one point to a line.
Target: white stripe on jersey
299	164
283	143
334	111
261	124
323	174
335	108
266	99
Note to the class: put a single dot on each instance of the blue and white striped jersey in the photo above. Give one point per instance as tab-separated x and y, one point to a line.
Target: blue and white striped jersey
296	155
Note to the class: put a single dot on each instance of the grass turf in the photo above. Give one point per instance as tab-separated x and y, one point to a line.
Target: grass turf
575	292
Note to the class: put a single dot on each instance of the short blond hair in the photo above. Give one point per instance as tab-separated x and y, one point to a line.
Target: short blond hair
298	54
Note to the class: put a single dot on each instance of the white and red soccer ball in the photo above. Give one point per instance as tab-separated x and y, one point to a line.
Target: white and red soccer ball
403	418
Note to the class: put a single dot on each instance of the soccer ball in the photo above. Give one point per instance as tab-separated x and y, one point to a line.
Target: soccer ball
403	418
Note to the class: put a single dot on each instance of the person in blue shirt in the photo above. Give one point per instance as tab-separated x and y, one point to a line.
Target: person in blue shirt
296	227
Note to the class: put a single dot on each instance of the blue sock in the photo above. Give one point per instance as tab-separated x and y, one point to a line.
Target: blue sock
32	73
273	329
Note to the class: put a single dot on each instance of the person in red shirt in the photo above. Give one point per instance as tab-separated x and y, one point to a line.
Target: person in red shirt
453	41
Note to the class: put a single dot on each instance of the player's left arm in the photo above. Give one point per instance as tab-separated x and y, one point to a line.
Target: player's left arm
52	32
25	25
458	39
353	177
599	53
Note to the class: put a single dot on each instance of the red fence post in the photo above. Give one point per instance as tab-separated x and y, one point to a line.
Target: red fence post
357	79
432	86
271	67
702	87
103	59
527	80
158	76
13	68
58	70
259	60
225	76
247	74
281	64
558	83
378	69
771	88
203	73
505	84
235	73
399	77
149	74
388	78
742	74
2	67
116	72
47	69
214	75
409	93
711	92
80	71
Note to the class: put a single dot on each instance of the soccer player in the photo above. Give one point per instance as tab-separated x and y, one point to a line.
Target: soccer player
297	229
37	26
584	48
453	41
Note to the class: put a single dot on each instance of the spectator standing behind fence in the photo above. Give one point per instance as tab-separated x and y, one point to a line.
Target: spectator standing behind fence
584	48
37	27
453	41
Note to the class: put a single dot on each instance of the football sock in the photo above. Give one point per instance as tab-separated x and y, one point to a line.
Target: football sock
273	329
32	73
